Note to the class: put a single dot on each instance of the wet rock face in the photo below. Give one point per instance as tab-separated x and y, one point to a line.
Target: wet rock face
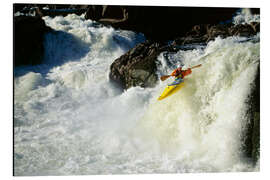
251	134
28	40
245	29
137	67
206	32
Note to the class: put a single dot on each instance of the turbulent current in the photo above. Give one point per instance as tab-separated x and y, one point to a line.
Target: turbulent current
69	119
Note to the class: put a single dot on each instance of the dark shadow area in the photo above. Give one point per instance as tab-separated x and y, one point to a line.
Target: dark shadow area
59	47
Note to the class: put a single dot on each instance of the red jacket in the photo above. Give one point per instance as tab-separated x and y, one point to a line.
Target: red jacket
181	72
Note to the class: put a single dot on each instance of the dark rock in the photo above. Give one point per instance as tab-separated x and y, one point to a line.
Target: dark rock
28	40
244	30
255	10
221	30
78	6
255	154
255	26
159	23
112	12
178	41
137	67
190	40
198	30
203	33
206	32
94	12
251	134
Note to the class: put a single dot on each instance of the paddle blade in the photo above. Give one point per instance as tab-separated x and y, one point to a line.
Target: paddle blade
163	78
196	66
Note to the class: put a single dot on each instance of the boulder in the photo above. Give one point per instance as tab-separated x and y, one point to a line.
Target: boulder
137	67
28	40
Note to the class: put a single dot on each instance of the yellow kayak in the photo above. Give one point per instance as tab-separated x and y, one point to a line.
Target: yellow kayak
172	88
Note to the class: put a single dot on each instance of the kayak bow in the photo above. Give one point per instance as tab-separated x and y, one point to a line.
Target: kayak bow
172	88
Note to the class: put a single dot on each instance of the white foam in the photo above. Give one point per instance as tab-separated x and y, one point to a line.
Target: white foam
203	123
70	120
245	17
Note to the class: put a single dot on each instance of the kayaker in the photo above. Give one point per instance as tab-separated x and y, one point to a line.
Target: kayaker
179	73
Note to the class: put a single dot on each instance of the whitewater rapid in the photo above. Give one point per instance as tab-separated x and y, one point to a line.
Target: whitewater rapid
69	119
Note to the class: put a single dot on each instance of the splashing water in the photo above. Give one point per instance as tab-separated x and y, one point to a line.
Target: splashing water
245	17
70	120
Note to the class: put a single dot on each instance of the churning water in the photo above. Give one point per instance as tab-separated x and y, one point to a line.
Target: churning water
69	119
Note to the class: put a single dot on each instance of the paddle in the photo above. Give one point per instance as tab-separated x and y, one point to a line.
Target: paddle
163	78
